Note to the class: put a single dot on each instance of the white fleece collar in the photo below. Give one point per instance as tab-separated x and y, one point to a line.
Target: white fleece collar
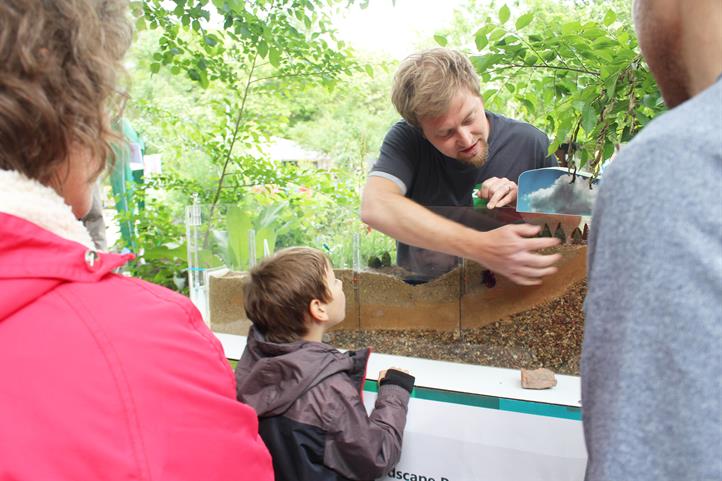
41	205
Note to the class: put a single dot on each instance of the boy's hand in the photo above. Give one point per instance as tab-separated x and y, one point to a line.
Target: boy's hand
382	374
397	376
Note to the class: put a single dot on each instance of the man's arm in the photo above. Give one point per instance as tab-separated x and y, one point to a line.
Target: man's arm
507	250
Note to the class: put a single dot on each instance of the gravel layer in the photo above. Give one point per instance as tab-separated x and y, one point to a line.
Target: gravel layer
547	336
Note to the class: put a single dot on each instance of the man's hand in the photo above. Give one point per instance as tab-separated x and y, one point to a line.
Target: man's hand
498	191
510	251
507	250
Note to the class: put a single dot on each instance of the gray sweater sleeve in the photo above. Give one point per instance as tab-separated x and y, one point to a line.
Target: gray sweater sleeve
364	447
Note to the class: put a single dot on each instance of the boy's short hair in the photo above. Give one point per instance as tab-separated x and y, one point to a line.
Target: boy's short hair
426	82
59	66
280	289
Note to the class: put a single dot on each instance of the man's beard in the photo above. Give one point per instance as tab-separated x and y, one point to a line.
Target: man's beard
481	157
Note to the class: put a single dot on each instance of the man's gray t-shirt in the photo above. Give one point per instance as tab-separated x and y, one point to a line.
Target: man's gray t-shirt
652	354
430	178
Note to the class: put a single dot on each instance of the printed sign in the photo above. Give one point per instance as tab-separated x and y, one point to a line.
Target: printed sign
449	439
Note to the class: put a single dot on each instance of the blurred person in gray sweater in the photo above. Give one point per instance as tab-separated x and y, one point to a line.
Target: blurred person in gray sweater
651	361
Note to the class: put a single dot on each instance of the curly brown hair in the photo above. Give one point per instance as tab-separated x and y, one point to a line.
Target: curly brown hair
59	64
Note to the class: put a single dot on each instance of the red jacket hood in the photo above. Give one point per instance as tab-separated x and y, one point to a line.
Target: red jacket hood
34	261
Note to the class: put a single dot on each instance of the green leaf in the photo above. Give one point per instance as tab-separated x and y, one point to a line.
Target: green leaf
485	29
140	24
517	51
608	150
481	41
155	67
441	40
611	85
589	118
603	42
531	60
203	78
504	14
274	56
244	31
593	33
571	28
483	62
585	156
560	137
238	225
496	34
649	101
262	49
528	104
548	95
549	55
269	235
369	70
524	20
488	94
610	18
626	134
269	214
166	253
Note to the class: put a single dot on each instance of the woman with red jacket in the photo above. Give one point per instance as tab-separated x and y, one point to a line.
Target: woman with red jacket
102	377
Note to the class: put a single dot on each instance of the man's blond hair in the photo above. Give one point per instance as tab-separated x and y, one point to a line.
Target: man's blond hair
426	82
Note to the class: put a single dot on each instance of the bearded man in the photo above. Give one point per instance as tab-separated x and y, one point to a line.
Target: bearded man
446	144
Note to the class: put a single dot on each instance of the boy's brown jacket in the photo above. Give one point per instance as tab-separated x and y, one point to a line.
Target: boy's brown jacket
308	397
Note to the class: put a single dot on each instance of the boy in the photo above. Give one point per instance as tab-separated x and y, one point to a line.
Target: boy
306	393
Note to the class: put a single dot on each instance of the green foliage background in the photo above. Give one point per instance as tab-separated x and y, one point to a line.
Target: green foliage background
214	81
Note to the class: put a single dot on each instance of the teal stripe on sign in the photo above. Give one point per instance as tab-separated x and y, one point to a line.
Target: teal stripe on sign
490	402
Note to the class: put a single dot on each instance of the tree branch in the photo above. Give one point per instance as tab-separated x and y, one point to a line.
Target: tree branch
307	74
550	67
230	148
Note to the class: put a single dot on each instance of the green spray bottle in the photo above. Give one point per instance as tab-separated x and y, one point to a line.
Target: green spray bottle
477	202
